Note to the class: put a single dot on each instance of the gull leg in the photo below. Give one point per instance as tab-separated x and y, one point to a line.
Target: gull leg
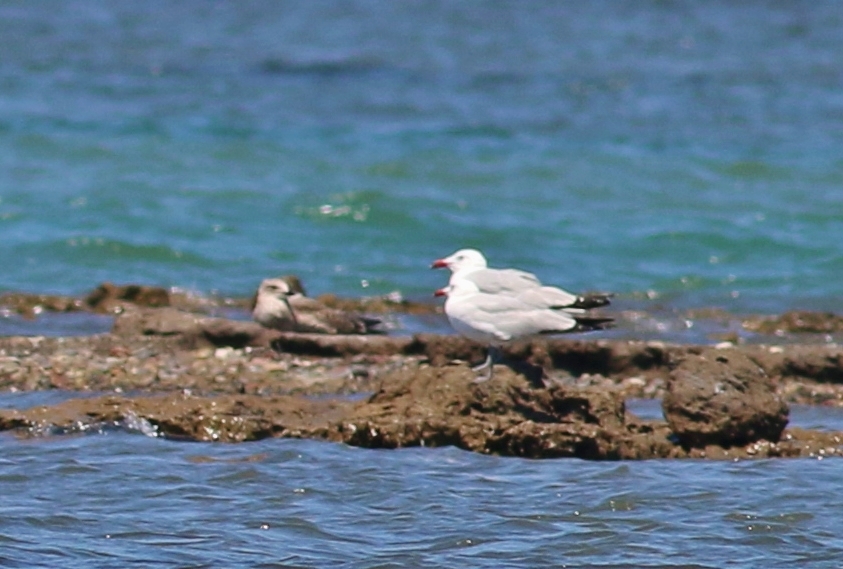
485	364
492	357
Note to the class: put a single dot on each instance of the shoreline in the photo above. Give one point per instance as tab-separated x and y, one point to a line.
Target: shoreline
168	368
189	377
636	318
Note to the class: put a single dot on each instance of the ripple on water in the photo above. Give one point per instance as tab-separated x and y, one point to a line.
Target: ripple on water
312	502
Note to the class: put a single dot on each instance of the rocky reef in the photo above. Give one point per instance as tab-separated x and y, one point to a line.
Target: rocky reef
181	374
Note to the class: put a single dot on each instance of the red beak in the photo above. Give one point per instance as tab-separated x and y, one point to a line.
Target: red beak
439	264
440	292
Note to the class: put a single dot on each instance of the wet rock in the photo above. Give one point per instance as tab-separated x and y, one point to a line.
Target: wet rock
607	358
193	330
644	440
108	297
425	408
820	363
807	374
30	305
443	350
796	321
506	415
220	332
233	418
379	304
134	321
724	398
346	345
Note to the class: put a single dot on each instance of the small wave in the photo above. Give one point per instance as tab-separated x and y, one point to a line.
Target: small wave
98	250
482	131
353	206
753	170
133	423
321	68
491	79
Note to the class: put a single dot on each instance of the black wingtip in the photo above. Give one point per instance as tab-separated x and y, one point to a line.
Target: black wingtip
590	323
584	324
596	300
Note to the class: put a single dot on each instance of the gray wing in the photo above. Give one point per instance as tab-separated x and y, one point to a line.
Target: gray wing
496	281
507	317
314	317
301	303
529	289
548	297
556	298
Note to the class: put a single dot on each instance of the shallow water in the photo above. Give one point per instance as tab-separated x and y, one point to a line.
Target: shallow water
114	497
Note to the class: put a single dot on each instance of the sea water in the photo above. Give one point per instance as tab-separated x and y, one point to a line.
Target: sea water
687	150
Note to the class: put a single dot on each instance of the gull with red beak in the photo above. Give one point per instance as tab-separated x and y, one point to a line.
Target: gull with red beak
495	319
470	264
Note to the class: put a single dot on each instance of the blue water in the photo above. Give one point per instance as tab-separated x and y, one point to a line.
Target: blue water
687	152
119	498
114	497
687	149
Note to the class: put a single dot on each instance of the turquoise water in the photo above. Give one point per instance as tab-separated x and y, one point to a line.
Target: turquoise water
690	150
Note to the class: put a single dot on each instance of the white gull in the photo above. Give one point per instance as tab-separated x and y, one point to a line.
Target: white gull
494	319
470	264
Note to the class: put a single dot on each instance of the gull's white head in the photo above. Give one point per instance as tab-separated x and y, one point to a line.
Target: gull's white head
271	307
464	259
458	287
275	288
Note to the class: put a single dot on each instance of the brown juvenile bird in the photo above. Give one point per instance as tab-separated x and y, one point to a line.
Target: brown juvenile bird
276	305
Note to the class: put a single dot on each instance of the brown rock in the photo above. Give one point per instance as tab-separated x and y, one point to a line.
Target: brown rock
416	406
107	297
230	418
30	305
193	330
506	415
378	305
820	363
344	345
221	332
135	321
796	321
648	439
722	397
605	358
442	350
